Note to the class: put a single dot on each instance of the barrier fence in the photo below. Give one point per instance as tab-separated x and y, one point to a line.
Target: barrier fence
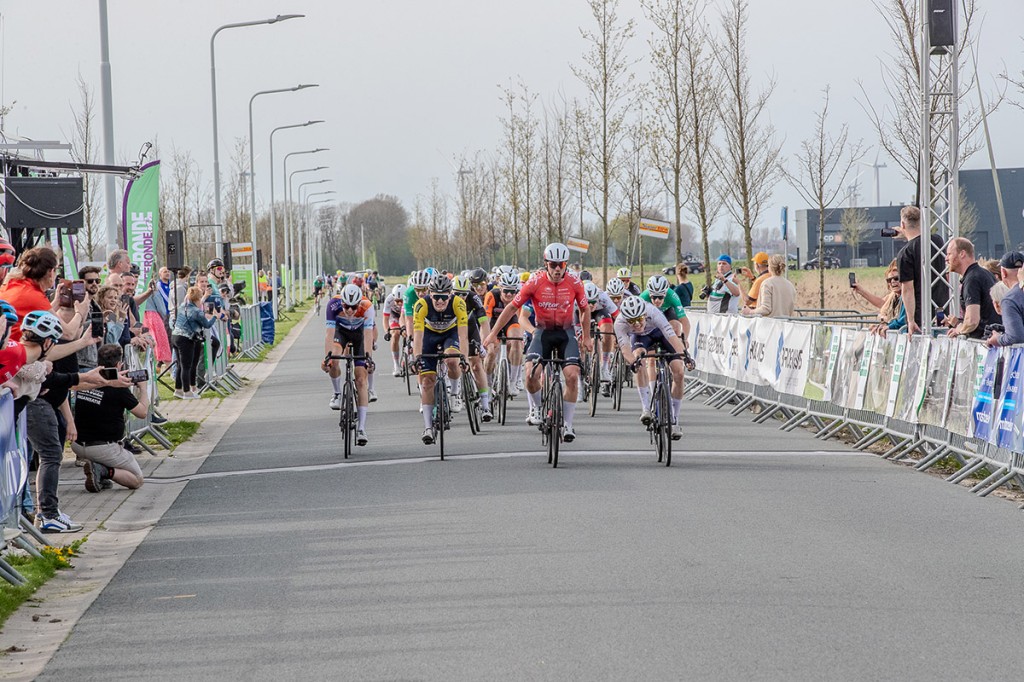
934	397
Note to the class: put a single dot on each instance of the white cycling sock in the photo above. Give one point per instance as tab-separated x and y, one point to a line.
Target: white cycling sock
369	381
394	359
606	360
428	415
361	417
453	385
485	399
534	399
645	397
336	382
568	410
676	402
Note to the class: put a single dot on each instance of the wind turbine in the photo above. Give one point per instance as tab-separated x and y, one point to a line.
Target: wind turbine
876	166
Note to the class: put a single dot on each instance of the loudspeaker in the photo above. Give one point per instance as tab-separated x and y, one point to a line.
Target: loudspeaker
942	23
175	240
28	200
259	260
225	255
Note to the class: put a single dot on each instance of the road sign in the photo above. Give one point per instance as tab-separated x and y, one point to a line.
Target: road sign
241	250
785	221
655	228
577	244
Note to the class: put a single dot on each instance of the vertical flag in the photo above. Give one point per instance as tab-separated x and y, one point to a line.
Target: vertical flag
141	221
67	248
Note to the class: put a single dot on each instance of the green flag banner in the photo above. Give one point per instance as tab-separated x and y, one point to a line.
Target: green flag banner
67	248
141	221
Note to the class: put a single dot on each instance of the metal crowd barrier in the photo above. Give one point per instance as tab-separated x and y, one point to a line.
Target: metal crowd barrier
218	375
251	342
138	428
926	399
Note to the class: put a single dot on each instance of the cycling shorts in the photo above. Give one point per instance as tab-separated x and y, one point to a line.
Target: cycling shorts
545	341
512	331
652	341
670	313
434	343
394	322
350	337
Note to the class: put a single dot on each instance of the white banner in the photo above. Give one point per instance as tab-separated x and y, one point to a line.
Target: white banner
792	344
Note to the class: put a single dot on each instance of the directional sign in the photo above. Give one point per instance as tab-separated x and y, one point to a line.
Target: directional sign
655	228
577	244
241	250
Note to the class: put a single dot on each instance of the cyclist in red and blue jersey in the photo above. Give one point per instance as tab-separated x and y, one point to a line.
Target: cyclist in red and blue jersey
350	324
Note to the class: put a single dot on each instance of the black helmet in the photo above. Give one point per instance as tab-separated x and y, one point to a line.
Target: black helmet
215	263
478	276
440	284
586	276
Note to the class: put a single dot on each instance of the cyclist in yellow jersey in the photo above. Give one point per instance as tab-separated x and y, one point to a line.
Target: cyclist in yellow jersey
440	326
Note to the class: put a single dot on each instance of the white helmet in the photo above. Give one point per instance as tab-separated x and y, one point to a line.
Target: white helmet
615	287
624	273
508	280
591	291
633	307
556	252
657	285
351	295
398	291
420	279
502	269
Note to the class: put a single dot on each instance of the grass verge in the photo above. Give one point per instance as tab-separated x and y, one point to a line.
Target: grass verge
177	431
37	572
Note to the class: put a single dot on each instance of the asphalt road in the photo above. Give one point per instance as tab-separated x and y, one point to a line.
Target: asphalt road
757	555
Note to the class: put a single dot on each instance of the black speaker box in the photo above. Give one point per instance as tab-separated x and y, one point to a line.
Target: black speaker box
942	23
225	255
42	203
175	240
259	260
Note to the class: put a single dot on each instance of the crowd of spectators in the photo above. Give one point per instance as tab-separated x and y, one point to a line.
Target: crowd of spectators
67	349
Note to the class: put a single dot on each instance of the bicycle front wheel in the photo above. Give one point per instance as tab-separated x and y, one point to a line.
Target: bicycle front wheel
595	380
502	397
347	417
471	402
556	420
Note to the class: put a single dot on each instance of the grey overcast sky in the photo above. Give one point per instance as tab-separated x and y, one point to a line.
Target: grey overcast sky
406	86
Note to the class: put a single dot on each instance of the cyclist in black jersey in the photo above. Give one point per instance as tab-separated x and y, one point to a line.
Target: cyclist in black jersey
477	322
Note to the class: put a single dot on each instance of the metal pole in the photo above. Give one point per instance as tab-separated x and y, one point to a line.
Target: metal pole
289	252
107	113
362	242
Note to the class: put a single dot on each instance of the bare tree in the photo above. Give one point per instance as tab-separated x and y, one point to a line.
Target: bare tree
1016	80
823	164
749	162
512	167
898	124
555	143
637	191
85	149
527	141
854	225
236	214
605	75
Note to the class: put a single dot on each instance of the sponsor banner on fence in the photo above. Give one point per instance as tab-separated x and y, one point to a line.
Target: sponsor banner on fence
938	381
984	396
13	467
791	362
876	390
141	221
968	358
1007	433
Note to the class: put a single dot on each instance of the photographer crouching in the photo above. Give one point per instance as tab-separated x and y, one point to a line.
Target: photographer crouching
100	423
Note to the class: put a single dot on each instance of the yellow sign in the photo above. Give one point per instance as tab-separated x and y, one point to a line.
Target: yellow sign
655	228
577	244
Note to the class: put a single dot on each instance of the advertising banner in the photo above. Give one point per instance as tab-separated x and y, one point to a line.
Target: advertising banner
968	357
1007	433
658	229
821	362
577	244
713	350
984	397
755	341
140	222
876	390
67	249
911	381
862	372
790	361
938	381
13	467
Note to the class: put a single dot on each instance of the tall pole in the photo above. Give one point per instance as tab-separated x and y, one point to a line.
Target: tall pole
287	215
362	244
288	245
107	112
213	92
252	157
305	252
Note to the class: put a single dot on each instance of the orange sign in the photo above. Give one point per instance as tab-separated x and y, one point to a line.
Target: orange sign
655	228
577	244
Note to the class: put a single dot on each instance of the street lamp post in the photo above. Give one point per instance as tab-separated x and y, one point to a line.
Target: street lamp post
289	256
273	225
252	160
321	201
302	202
306	253
213	90
289	250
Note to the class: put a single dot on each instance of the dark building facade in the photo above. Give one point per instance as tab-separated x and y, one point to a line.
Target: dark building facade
978	189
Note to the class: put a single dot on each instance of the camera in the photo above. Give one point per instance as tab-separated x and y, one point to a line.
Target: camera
889	232
137	375
991	329
705	291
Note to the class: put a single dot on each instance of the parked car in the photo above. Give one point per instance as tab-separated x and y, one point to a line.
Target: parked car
695	265
831	263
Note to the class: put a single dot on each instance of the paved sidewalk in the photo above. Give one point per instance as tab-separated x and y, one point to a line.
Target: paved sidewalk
116	521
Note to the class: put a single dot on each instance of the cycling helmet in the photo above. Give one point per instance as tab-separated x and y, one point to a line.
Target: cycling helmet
657	285
525	276
461	285
556	252
505	268
624	273
430	271
398	290
592	291
351	295
508	280
440	284
43	324
633	307
215	263
478	276
586	276
8	311
357	281
420	280
615	287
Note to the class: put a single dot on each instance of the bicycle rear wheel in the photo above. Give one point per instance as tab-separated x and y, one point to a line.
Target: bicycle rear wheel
666	422
471	402
618	379
407	371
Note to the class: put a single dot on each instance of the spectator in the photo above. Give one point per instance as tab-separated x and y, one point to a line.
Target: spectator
162	300
187	340
115	316
890	307
975	285
99	422
118	262
180	289
725	294
911	275
90	274
777	295
999	289
24	289
684	289
761	266
6	258
1011	268
217	272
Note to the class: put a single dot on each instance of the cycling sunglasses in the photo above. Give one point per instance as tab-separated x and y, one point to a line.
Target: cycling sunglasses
439	297
510	292
346	306
636	320
657	298
557	265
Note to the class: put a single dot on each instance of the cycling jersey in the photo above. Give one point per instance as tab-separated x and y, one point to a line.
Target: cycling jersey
627	334
339	318
494	306
670	302
632	288
409	300
552	303
605	308
424	317
392	310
